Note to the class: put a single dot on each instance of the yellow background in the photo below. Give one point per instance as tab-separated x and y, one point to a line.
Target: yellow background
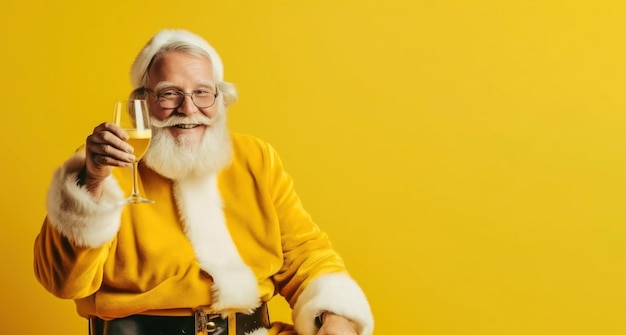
467	157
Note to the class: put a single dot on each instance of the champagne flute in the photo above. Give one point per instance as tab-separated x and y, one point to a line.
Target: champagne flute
133	116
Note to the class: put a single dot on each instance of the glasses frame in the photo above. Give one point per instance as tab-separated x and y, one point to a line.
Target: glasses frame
183	94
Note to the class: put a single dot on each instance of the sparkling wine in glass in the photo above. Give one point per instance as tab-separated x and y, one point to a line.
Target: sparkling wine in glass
133	116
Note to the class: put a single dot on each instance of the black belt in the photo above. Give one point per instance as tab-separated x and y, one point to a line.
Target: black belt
200	323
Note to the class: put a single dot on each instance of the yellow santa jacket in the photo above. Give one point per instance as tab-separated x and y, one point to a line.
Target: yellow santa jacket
226	242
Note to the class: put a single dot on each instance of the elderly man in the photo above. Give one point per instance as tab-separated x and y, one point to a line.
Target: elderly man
226	233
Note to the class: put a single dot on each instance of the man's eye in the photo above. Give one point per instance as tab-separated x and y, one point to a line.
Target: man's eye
169	95
202	93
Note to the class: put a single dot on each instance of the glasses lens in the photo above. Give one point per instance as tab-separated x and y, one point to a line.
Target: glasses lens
171	99
203	99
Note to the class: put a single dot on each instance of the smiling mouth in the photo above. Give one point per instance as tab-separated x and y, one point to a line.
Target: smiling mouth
186	126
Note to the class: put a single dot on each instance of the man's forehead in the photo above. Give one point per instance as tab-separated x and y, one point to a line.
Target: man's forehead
177	68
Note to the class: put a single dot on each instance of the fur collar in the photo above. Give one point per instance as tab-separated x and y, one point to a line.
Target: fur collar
200	206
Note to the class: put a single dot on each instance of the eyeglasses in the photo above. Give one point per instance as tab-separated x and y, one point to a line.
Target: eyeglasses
172	99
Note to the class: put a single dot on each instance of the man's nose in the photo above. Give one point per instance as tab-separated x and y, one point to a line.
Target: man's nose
187	106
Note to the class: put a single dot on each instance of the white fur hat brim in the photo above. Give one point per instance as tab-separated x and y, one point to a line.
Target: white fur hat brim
165	37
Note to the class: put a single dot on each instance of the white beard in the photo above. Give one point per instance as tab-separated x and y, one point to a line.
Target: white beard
177	157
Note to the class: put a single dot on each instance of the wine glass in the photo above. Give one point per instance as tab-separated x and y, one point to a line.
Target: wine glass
133	116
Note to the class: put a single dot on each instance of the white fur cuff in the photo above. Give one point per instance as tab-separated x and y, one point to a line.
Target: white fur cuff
74	213
336	293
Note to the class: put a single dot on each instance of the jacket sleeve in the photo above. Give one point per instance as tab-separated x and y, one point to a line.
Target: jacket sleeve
72	246
313	278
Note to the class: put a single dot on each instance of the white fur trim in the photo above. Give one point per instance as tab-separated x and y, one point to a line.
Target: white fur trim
75	214
336	293
258	331
200	207
166	36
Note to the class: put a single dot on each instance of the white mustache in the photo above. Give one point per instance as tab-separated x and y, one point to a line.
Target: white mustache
176	120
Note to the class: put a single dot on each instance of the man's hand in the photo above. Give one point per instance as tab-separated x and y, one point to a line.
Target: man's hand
105	148
333	324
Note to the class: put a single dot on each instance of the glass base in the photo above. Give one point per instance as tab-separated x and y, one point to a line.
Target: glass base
137	199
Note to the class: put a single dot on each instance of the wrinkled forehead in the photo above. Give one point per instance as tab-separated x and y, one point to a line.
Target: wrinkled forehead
180	68
176	48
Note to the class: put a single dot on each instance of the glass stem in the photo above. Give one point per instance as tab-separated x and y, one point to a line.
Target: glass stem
134	172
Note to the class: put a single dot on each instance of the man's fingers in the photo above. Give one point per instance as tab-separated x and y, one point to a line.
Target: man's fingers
109	154
108	127
108	160
106	147
111	134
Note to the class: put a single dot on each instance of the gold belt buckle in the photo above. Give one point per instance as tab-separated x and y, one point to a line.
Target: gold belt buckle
204	323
